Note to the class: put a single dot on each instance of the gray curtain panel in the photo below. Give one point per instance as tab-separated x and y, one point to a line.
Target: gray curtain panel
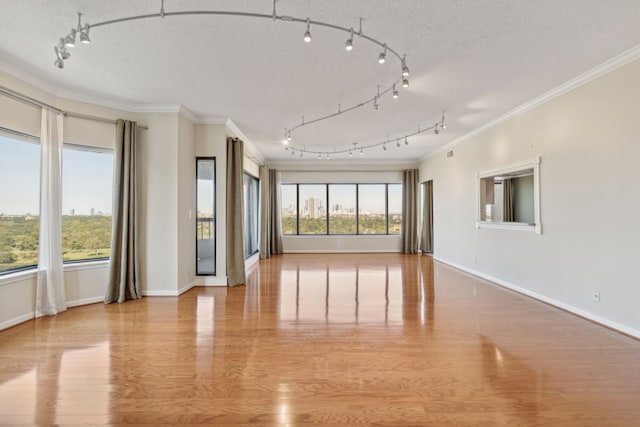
235	212
410	183
274	204
426	238
270	231
507	201
124	270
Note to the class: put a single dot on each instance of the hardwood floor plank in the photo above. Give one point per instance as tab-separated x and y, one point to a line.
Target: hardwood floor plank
348	339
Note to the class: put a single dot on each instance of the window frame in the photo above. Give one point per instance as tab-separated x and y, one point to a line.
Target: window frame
536	227
92	149
256	180
328	202
213	222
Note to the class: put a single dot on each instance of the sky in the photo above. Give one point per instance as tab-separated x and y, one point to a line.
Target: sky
86	177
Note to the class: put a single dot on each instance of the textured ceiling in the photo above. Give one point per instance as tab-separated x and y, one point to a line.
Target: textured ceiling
477	59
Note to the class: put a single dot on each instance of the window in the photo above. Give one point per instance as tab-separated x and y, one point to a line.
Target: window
251	215
394	207
289	214
87	176
509	198
312	204
372	218
19	201
205	216
341	209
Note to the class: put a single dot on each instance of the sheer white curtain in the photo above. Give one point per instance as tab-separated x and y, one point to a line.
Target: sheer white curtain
50	294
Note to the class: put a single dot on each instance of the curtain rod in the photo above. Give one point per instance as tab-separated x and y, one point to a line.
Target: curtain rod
10	93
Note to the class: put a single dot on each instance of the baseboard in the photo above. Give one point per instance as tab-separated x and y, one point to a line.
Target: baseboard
577	311
210	281
185	288
17	320
85	301
153	293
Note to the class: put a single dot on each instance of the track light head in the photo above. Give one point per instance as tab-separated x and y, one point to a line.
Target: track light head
307	34
435	129
405	83
70	40
406	141
350	153
361	152
348	45
405	69
398	143
384	147
84	35
319	156
383	55
327	156
395	92
59	63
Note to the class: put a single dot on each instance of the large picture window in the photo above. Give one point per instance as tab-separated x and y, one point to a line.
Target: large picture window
289	200
312	203
87	176
19	202
341	209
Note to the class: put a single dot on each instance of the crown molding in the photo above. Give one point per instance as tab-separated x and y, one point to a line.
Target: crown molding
27	77
606	67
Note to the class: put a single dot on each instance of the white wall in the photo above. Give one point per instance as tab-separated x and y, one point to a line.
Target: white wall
589	142
186	204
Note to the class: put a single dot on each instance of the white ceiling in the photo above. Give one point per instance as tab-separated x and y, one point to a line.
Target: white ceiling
477	59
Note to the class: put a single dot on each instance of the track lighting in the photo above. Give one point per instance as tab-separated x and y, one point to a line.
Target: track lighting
436	128
383	55
307	34
348	45
83	30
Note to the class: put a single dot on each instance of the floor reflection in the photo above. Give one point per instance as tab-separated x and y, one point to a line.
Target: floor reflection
371	291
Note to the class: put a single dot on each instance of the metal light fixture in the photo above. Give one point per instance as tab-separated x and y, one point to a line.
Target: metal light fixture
383	55
405	82
348	45
405	69
395	92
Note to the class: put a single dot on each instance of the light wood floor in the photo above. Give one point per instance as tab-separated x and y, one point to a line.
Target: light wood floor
323	340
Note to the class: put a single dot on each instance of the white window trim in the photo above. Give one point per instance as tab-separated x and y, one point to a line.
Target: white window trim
536	227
